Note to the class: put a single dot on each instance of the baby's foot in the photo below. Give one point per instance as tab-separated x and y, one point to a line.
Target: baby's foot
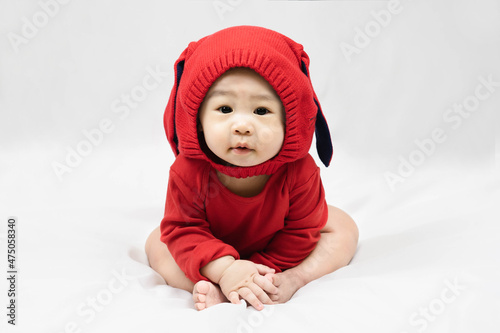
206	294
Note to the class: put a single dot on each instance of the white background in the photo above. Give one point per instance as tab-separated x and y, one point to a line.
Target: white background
66	68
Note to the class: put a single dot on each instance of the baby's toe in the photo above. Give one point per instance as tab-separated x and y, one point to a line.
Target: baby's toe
200	298
200	306
201	287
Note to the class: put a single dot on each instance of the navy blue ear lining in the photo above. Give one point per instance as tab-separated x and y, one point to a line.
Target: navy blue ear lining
179	70
304	68
323	139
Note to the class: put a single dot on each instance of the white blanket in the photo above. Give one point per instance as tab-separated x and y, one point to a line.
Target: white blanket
411	91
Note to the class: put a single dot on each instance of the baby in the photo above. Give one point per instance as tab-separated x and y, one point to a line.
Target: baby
245	214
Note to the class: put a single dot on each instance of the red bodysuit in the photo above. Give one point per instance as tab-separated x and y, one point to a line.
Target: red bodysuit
279	227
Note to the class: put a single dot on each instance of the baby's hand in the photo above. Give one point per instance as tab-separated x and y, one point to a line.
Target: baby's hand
244	279
286	284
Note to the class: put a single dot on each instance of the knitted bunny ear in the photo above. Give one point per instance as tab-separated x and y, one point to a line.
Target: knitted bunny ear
323	139
279	60
169	115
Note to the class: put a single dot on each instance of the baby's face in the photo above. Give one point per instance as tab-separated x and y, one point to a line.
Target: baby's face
242	118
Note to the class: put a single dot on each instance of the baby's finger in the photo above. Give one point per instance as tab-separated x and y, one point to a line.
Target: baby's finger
265	284
261	294
276	280
263	269
233	297
250	297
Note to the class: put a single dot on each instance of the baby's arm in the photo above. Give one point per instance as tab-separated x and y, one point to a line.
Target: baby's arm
307	216
339	239
316	239
241	279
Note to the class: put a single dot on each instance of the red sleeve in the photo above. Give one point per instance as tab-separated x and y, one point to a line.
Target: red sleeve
184	228
308	213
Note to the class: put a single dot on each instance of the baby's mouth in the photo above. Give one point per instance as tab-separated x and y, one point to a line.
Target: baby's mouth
241	150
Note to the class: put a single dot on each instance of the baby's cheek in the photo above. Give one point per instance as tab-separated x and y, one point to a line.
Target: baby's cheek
214	134
271	134
213	142
265	136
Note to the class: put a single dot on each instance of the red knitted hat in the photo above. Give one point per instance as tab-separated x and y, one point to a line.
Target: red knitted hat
279	60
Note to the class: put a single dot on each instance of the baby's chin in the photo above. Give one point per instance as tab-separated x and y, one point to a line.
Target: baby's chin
238	164
232	162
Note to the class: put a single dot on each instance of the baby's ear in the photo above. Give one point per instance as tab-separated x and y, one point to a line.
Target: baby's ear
324	144
169	115
170	110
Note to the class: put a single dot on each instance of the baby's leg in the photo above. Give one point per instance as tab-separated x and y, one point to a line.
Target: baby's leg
205	293
162	261
335	249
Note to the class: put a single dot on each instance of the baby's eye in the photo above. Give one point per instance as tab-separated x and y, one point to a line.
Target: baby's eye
261	111
225	109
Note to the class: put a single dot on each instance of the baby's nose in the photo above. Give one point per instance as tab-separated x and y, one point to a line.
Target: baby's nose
242	127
